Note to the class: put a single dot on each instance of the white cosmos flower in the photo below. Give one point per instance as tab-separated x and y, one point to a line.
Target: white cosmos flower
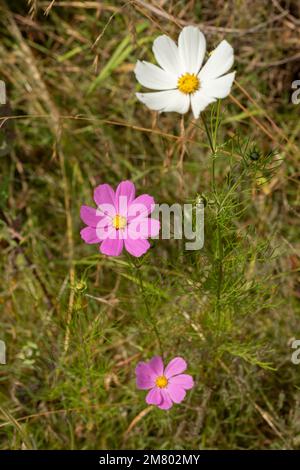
181	78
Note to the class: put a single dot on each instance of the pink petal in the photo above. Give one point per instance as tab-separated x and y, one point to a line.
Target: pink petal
112	247
137	248
166	403
176	393
106	230
145	377
154	397
142	205
106	210
144	383
105	221
183	380
89	235
143	228
176	366
126	188
125	194
157	365
89	216
104	196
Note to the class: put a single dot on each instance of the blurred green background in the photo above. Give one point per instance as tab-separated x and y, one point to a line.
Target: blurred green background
74	322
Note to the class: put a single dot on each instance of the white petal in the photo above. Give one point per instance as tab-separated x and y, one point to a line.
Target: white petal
167	55
168	101
218	87
153	77
220	61
191	46
199	101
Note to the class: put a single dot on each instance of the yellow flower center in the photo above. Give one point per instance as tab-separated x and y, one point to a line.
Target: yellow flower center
161	381
119	222
188	83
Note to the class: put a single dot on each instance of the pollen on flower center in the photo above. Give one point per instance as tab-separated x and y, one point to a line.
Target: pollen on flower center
161	381
119	222
188	83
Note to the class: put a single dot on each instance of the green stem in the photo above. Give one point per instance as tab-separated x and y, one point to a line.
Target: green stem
146	303
213	173
219	262
219	249
212	144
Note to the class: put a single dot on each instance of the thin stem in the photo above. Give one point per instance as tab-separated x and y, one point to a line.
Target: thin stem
146	303
212	138
219	262
86	355
207	133
212	144
213	173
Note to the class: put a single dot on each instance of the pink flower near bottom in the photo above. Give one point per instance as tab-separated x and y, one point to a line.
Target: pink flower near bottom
120	219
167	385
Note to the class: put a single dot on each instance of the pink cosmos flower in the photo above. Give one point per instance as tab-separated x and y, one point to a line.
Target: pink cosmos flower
167	385
120	219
